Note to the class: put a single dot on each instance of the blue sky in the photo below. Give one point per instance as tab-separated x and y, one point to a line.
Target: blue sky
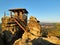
43	10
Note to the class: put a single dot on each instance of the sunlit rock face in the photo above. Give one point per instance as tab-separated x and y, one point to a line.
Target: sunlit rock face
53	39
34	30
21	42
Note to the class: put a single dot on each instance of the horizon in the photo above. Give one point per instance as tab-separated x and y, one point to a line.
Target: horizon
43	10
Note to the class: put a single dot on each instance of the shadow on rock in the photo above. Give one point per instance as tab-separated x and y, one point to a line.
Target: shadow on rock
40	41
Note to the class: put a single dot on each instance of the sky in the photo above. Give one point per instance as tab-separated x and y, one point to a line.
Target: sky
43	10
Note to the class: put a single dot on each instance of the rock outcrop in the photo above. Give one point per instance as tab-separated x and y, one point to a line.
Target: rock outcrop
34	29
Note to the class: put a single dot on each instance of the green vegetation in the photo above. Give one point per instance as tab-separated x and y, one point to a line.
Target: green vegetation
56	30
52	31
58	26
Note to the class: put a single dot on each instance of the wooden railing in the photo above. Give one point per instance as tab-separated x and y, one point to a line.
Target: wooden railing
20	24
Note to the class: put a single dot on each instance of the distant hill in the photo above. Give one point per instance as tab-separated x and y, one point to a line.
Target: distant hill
46	23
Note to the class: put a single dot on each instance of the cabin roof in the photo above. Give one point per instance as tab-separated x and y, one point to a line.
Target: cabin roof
19	9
